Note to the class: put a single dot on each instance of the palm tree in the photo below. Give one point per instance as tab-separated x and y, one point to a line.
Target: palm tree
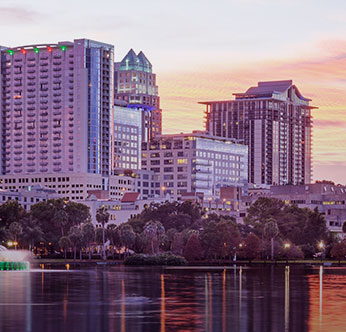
65	243
88	232
16	230
153	229
102	217
271	230
113	234
128	236
75	236
61	218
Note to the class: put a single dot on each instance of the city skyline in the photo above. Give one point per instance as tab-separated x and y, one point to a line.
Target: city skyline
201	52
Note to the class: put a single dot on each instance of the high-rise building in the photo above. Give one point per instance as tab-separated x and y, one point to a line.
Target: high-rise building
274	120
135	83
195	163
56	108
128	132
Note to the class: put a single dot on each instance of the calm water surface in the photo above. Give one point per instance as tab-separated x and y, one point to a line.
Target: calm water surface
119	299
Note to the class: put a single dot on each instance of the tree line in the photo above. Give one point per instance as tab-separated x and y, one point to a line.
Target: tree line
271	230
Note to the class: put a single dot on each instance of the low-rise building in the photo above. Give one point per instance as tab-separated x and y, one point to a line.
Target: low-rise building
74	186
330	200
28	196
195	162
120	211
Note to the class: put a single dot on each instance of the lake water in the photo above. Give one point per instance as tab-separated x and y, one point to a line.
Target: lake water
119	299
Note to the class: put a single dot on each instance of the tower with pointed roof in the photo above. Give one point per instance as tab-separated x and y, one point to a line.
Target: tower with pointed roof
274	120
135	86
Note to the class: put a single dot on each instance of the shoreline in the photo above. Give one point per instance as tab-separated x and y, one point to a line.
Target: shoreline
326	263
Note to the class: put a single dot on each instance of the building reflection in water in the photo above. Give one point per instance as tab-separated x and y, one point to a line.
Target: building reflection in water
163	305
263	299
122	306
327	299
224	300
287	298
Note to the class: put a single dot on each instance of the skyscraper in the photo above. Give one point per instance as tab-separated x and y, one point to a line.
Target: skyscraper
274	120
135	83
56	108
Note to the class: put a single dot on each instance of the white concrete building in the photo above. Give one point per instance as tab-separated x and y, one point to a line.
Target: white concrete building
197	163
28	196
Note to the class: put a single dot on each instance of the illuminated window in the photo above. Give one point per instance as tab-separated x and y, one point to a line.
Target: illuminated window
182	161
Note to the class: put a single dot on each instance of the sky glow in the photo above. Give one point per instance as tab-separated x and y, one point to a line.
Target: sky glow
207	50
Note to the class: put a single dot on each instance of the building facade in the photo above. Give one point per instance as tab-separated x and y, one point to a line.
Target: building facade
135	84
128	132
330	199
56	108
195	162
28	196
274	120
74	186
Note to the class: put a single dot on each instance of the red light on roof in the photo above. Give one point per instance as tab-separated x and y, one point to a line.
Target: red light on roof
49	49
23	51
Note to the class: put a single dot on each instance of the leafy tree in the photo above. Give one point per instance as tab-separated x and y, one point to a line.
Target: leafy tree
344	227
229	236
15	230
291	223
170	236
10	212
55	217
252	246
316	228
193	249
65	243
308	250
210	240
339	250
178	243
263	209
171	214
128	236
102	217
32	232
219	238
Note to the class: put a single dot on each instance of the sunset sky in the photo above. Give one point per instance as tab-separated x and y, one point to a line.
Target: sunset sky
207	50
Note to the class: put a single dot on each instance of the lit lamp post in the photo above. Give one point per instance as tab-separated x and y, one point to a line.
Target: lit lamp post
12	243
287	246
235	252
321	246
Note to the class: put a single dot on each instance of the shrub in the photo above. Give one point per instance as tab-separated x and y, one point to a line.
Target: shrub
339	250
152	260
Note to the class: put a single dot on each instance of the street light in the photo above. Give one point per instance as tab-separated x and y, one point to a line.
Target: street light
287	246
12	244
321	246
